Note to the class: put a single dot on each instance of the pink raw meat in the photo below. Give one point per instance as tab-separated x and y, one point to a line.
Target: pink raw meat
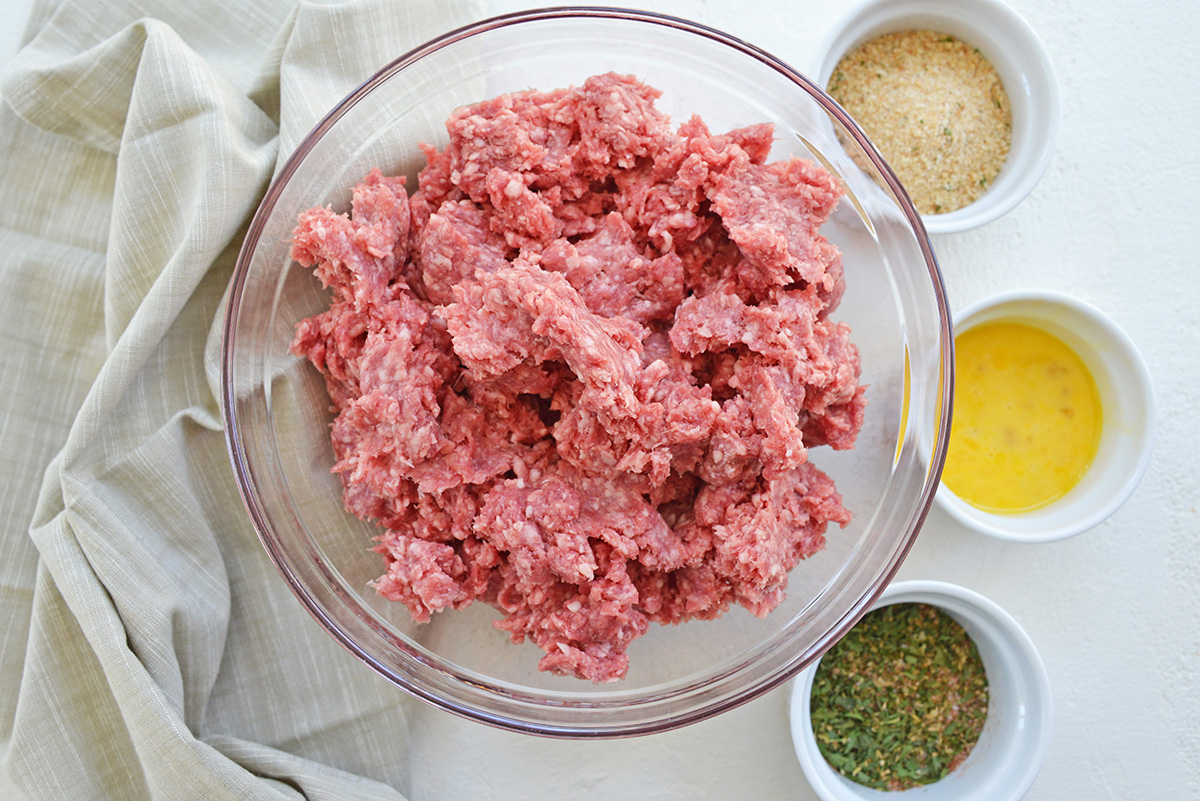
577	374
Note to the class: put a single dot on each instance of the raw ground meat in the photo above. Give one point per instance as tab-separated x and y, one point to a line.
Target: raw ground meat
577	373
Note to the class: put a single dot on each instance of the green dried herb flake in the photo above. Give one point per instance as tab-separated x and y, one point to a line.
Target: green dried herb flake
901	699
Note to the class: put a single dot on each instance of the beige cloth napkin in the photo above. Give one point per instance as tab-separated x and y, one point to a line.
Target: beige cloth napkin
148	649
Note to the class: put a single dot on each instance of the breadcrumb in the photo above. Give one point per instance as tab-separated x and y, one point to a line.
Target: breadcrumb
935	108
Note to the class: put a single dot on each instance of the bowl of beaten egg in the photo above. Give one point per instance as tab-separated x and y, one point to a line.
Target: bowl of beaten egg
1054	418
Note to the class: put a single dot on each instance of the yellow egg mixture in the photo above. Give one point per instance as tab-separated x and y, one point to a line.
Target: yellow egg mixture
1027	418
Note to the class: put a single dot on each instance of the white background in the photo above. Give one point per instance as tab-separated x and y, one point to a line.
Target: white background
1114	612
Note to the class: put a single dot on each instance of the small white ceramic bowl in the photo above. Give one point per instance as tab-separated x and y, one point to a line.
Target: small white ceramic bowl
1010	44
1128	407
1012	745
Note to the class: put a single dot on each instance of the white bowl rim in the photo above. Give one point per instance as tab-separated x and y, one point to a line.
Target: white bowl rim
995	525
1017	643
1033	53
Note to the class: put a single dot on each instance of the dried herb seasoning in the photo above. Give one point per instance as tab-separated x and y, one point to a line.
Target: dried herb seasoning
901	699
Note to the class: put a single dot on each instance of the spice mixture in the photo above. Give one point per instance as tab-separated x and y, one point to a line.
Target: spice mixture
901	699
935	108
578	372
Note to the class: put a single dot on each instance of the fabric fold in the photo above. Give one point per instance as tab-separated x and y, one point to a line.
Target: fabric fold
150	648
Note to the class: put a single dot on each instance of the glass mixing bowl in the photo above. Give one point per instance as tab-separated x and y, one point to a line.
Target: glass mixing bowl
277	412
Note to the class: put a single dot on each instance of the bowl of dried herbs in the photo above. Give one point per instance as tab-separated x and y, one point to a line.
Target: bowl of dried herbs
936	693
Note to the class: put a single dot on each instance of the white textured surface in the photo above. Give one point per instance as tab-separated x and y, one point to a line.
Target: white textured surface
1115	612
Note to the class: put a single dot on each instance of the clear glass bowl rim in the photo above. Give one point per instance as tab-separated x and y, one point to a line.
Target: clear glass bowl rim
512	719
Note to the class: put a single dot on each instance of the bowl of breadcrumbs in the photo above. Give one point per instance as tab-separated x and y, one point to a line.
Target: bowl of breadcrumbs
960	98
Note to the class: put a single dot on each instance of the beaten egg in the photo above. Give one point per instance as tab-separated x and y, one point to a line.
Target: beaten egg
1027	418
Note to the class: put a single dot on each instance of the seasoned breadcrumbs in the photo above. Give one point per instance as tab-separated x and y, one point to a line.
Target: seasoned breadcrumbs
935	108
